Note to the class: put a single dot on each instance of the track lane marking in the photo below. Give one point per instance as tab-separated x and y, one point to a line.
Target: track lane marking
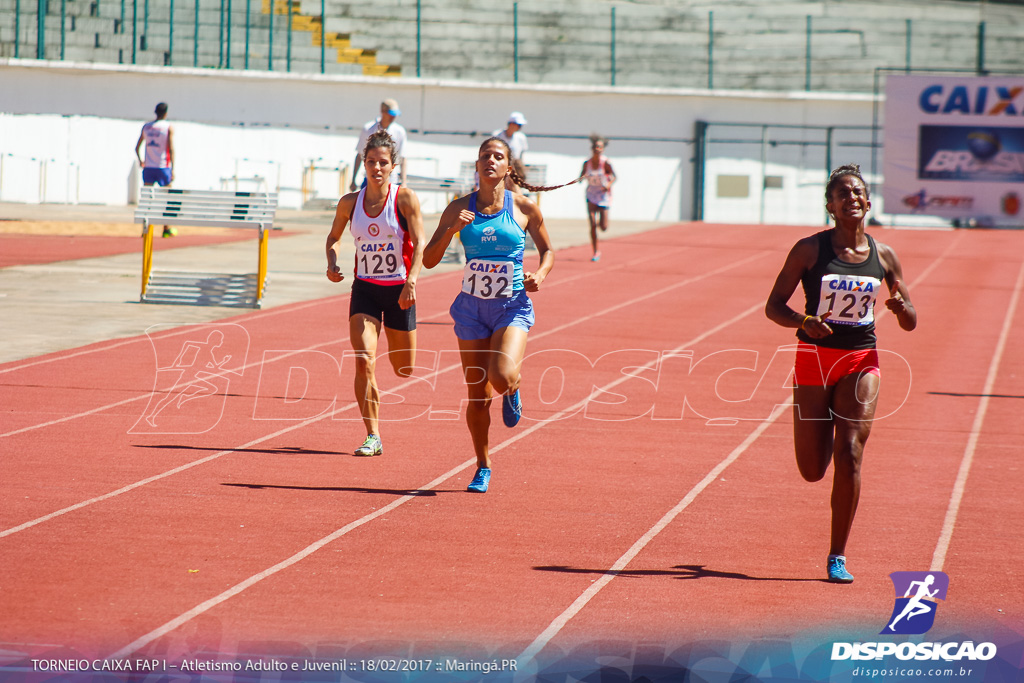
620	564
306	423
190	326
238	588
61	355
580	602
260	315
960	485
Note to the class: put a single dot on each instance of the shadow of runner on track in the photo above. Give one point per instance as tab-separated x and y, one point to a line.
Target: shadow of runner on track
348	489
284	450
680	571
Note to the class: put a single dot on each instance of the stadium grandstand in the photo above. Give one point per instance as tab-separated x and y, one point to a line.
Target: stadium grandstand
790	45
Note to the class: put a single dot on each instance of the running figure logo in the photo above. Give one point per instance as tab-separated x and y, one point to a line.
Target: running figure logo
190	391
916	594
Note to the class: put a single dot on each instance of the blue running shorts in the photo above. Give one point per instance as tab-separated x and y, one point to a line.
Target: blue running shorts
480	318
156	176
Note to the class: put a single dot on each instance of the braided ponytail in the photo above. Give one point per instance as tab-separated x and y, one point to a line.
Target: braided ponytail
521	182
517	177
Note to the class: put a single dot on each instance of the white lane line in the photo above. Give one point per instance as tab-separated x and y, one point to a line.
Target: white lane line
58	355
260	315
559	622
960	485
190	327
317	545
579	603
181	385
250	444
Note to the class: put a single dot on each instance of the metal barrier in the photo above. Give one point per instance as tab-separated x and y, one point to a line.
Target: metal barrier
309	183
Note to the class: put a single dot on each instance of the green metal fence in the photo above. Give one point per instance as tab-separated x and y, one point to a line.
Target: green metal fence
525	41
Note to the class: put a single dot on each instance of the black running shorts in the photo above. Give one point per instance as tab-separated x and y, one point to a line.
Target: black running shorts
381	303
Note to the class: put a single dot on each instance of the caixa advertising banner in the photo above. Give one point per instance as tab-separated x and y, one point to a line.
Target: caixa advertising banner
954	147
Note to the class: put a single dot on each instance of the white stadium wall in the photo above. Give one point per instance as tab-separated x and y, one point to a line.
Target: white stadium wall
68	131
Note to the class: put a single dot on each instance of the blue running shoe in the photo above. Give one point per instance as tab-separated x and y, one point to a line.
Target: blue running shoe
837	570
480	481
511	409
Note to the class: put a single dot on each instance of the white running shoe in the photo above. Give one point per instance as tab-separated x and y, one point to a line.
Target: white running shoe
372	446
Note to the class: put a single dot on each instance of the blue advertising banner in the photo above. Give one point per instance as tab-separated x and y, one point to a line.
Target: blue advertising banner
954	147
971	154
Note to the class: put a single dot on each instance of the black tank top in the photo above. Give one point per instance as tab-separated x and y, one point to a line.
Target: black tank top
849	290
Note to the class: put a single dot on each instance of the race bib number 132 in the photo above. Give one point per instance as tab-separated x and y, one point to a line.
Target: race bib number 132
488	279
851	298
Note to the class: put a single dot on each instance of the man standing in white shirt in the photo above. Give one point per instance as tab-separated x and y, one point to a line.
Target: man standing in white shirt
516	141
389	111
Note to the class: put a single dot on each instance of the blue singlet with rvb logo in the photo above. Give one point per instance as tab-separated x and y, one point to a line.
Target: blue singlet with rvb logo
496	237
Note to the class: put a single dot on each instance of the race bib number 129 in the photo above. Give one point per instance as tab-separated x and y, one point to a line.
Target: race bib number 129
488	279
378	259
851	298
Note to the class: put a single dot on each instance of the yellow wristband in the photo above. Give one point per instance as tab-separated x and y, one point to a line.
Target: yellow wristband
804	321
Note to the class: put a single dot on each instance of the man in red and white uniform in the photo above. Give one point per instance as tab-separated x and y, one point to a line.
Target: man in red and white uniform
158	165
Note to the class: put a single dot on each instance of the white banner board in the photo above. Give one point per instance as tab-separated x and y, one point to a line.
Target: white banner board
954	147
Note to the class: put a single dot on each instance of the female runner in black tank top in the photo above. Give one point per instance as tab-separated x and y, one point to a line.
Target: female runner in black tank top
841	271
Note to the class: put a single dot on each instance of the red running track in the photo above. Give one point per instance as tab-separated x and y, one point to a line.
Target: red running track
650	493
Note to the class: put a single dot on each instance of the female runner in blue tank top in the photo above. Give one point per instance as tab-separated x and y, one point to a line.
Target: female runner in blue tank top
492	313
837	375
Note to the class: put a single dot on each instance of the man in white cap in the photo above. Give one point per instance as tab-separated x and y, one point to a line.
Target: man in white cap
389	111
516	139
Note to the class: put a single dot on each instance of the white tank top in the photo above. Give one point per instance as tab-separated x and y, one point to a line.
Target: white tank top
156	135
383	246
597	177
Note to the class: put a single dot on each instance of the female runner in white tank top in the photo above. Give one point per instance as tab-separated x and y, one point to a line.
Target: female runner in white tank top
600	176
388	230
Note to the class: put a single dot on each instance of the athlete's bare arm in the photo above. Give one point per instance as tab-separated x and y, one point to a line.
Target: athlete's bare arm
170	149
539	233
455	217
409	206
138	146
899	297
801	258
342	216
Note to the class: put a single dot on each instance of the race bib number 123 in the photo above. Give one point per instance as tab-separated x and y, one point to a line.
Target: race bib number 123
851	298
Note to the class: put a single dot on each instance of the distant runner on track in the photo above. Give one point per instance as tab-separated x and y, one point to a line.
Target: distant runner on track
600	177
837	375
